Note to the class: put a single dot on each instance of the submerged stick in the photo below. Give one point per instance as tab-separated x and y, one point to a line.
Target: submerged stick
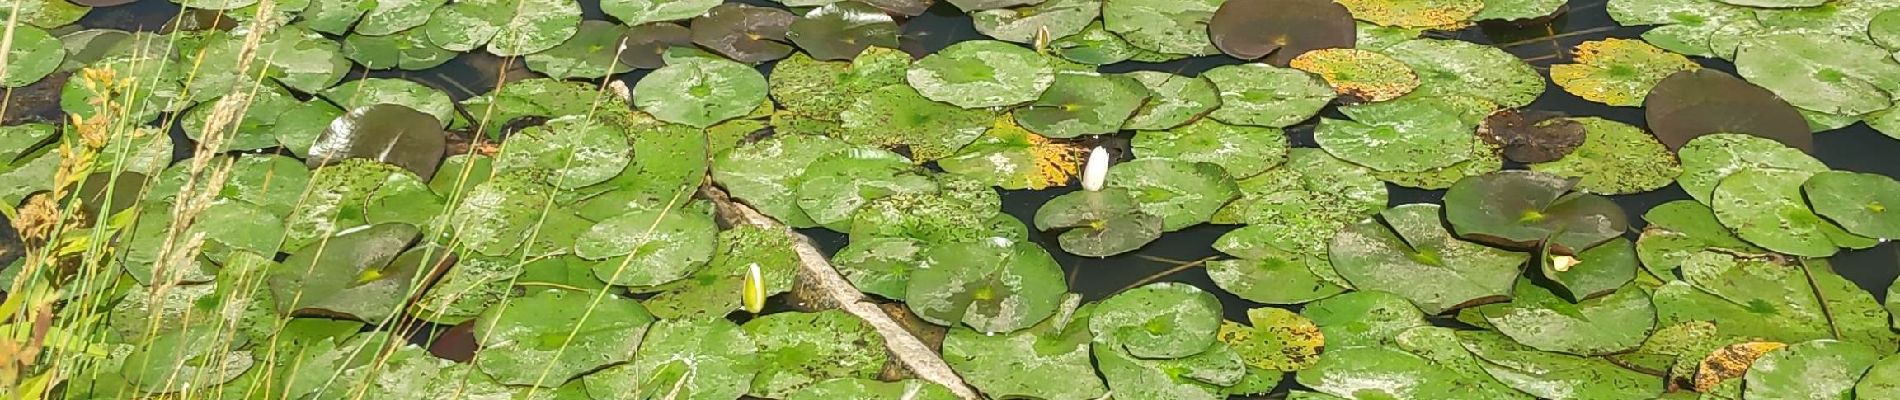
909	351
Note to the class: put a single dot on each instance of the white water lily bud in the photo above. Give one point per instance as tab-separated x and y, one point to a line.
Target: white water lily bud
1095	172
753	296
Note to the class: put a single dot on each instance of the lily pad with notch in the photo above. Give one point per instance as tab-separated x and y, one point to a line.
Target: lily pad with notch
699	356
1265	95
408	50
1164	26
1614	158
1592	272
1243	151
700	93
1414	134
798	350
835	185
1820	72
1094	45
897	115
1863	204
506	27
1054	18
1680	228
1813	369
1083	103
1160	320
1361	75
1270	269
356	273
1183	193
1363	319
765	173
1709	158
1049	360
982	73
1538	318
1013	158
552	335
1099	223
649	248
1174	100
372	91
50	14
387	133
1519	209
339	198
1618	72
1441	272
1545	374
744	33
994	286
1201	376
1690	104
1280	30
1454	68
1765	207
572	151
842	30
590	53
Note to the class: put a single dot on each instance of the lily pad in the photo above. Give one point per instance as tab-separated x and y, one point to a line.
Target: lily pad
765	173
387	133
695	358
1270	269
834	186
1690	104
1521	209
1094	46
1264	95
1615	159
408	50
590	53
1817	369
646	45
824	89
798	350
649	247
700	93
573	151
1595	271
1047	361
1284	29
1098	223
1161	320
554	335
1010	157
372	91
474	284
1164	26
339	197
1174	100
49	14
994	286
1201	376
1436	14
1825	73
1303	202
1618	72
898	115
508	28
354	273
842	30
1362	75
982	73
1382	372
1442	272
33	55
1453	68
642	12
861	388
1054	18
1538	318
1550	375
1413	135
1880	379
186	358
1081	103
1766	298
1243	151
1708	159
1519	10
1859	202
1183	193
1531	136
1275	339
496	216
1765	207
1680	228
744	33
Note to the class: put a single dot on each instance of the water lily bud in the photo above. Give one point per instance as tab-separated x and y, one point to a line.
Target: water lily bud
1095	173
753	297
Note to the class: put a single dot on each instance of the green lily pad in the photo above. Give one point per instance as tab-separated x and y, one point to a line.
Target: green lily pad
1047	361
1708	159
339	197
647	45
1765	207
1618	72
355	273
1521	209
1382	372
1691	104
1881	379
34	55
1164	26
1054	18
1442	272
1284	29
554	335
835	185
496	216
798	350
1680	228
1161	320
690	358
1200	376
998	285
1270	270
1265	95
1361	75
1183	193
389	17
898	115
1174	100
1859	202
299	59
1275	339
1615	159
1538	318
880	266
765	173
590	53
372	91
1453	68
1518	10
408	50
1094	46
1441	346
712	291
843	30
1243	151
823	90
1414	135
700	93
1303	202
48	14
1081	103
1771	299
1595	271
651	247
387	133
188	358
1693	27
508	28
1099	223
642	12
982	73
940	217
234	301
473	285
861	388
1816	370
1436	14
744	33
1830	74
1550	375
573	151
979	5
256	119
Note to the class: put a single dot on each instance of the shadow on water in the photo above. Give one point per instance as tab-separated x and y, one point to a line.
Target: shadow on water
1855	148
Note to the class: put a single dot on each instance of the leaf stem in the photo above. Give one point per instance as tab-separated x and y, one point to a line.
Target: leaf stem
1178	267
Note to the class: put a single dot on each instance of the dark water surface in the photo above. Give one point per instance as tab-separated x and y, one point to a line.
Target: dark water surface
1855	148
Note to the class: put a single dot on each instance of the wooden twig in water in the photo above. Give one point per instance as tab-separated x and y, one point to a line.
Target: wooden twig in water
909	351
1178	267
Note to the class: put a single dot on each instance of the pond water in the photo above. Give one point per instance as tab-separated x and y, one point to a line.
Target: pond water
1855	148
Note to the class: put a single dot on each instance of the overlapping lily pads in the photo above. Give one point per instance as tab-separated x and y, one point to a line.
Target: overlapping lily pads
1521	209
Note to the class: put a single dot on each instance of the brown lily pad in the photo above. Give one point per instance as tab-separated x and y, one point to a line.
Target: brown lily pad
647	44
745	33
1689	104
388	133
1280	29
1529	136
908	8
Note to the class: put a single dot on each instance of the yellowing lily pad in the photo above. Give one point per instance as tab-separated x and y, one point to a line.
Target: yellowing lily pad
1010	157
1364	75
1275	339
1615	158
1618	72
1437	14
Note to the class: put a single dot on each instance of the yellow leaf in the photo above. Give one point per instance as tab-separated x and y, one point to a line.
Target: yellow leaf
1730	363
